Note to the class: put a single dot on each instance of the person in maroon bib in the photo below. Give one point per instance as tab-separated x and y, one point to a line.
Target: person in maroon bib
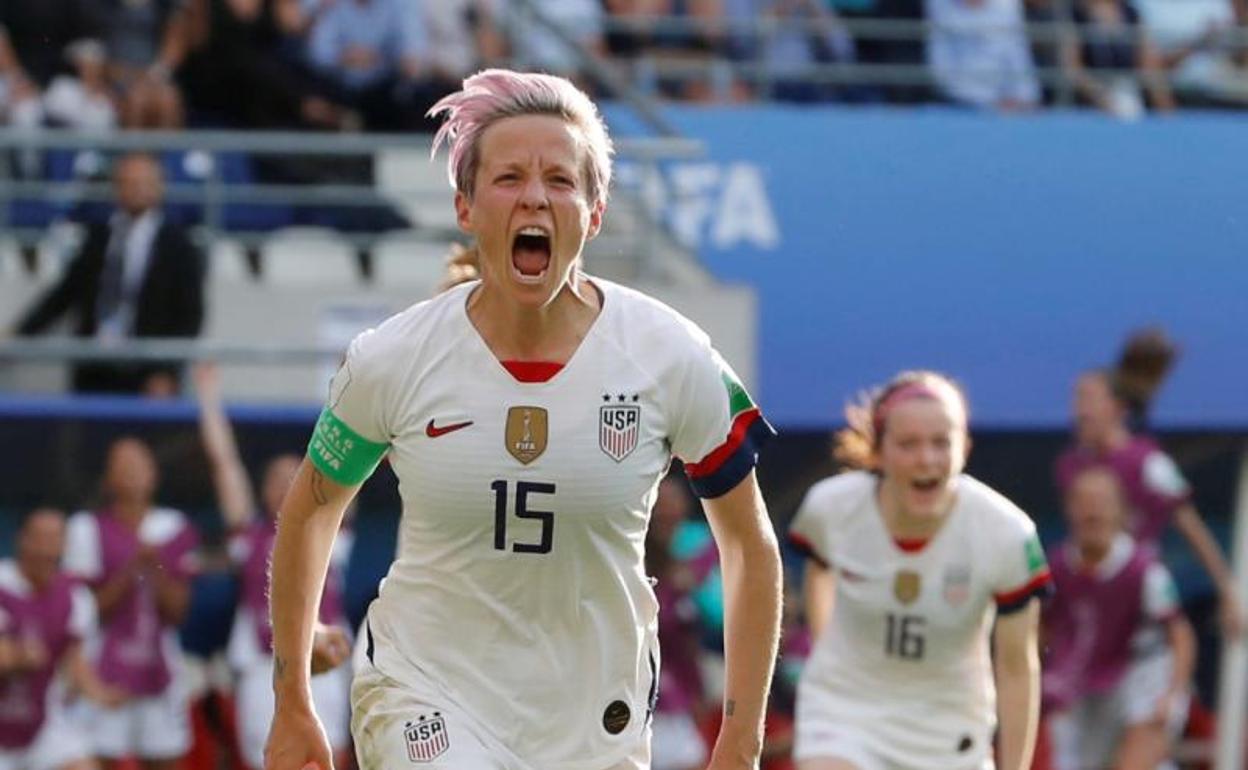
138	559
1120	652
1107	403
44	617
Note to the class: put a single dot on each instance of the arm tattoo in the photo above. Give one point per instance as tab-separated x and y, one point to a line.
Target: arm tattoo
318	490
279	668
730	707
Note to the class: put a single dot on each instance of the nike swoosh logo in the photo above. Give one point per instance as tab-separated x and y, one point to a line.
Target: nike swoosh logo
433	431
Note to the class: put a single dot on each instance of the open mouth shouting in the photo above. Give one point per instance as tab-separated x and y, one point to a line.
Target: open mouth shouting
927	484
530	254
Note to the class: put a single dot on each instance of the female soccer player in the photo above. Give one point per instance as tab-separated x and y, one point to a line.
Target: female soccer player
1120	652
529	417
911	561
1106	401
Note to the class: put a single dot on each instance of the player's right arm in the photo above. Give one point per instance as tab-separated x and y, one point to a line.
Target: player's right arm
306	526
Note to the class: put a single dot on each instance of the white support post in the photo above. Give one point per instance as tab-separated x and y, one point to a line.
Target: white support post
1233	685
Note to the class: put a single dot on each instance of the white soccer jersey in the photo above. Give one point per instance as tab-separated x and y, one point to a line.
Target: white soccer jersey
904	662
519	593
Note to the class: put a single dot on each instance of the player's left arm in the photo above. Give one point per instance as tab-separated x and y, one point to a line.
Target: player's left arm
1193	528
750	561
1017	668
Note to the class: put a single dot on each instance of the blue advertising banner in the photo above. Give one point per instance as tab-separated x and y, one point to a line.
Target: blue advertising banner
1010	251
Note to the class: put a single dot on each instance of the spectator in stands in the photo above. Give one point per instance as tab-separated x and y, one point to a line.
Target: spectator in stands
254	527
84	100
550	43
138	559
137	276
681	57
463	37
1192	38
1113	43
978	53
1120	651
376	55
260	43
807	34
44	618
1106	402
34	37
143	41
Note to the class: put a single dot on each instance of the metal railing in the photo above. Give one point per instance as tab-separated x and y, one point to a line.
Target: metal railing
211	196
749	38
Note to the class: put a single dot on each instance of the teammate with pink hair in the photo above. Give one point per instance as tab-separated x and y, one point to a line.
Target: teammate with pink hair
529	417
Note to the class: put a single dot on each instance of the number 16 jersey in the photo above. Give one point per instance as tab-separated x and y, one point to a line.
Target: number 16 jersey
903	663
519	593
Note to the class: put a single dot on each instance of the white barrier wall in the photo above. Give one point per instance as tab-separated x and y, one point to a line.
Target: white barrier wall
248	312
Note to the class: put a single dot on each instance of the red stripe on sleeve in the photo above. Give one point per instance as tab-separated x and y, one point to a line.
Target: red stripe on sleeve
709	464
1040	580
808	548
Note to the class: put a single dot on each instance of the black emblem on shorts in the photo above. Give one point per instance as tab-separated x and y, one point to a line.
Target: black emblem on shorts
616	717
426	738
965	744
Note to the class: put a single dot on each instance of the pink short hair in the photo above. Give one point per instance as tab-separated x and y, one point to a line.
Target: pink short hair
494	94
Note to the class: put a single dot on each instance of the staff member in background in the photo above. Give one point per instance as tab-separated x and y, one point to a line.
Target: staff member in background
1120	651
137	276
138	559
1108	402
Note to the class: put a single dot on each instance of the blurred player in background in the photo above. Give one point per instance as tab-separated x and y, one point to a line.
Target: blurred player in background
44	618
250	649
138	559
1105	405
1120	652
529	417
911	562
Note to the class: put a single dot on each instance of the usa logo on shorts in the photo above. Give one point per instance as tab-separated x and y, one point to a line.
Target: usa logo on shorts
619	425
426	738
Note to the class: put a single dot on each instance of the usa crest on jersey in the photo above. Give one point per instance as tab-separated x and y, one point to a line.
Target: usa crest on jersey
619	425
426	738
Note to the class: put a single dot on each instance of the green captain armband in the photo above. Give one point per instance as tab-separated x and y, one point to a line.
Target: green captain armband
340	453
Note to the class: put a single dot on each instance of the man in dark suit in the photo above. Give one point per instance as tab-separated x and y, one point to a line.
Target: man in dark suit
138	275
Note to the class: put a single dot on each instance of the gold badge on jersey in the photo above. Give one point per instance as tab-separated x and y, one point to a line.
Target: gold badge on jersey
906	586
526	432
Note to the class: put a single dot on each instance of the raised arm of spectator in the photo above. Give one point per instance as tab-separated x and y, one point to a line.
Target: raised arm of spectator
235	496
750	561
1193	528
177	40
